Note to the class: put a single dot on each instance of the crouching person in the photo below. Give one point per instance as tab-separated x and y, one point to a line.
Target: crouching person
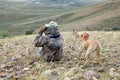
51	42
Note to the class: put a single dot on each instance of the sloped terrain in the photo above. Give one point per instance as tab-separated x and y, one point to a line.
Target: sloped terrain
17	19
91	18
20	60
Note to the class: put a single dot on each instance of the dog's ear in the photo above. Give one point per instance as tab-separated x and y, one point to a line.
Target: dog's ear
87	34
81	35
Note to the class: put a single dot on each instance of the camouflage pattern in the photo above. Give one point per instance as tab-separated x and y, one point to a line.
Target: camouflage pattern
51	43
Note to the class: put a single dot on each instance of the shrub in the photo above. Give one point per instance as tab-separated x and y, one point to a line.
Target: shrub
28	32
116	29
5	35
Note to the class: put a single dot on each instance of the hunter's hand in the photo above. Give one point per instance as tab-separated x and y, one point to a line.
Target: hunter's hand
42	29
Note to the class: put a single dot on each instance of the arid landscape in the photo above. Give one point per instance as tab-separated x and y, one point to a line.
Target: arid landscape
20	21
19	59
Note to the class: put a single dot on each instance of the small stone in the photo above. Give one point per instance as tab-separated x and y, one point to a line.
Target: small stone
9	70
8	66
70	78
101	69
62	68
67	78
16	58
31	63
25	69
9	75
1	79
17	68
53	75
113	72
70	62
89	74
3	66
3	75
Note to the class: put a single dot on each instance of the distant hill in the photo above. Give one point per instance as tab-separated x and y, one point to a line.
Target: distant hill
54	2
104	16
18	18
64	2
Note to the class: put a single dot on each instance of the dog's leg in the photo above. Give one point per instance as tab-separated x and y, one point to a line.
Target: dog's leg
98	54
87	55
99	57
81	50
86	58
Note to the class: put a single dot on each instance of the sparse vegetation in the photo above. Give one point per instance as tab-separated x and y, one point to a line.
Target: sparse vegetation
28	32
20	60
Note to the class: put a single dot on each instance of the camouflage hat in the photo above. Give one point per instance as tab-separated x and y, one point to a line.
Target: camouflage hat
52	24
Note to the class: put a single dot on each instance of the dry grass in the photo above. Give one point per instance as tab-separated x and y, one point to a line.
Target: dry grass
20	52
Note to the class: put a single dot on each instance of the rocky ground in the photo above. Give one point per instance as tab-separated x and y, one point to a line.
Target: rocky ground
19	59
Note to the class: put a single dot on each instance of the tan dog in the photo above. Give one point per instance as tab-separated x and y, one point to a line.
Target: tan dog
90	46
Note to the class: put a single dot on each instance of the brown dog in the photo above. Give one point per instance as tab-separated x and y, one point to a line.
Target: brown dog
90	46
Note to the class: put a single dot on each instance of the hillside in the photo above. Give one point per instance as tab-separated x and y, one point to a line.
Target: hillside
17	19
19	59
103	16
54	2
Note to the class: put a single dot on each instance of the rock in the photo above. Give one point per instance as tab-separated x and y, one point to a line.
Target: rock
70	78
89	74
8	66
3	66
48	72
3	70
67	78
6	75
32	62
25	69
18	74
9	75
17	68
16	58
62	68
1	79
117	64
101	69
70	62
3	75
114	73
53	75
9	70
110	63
72	48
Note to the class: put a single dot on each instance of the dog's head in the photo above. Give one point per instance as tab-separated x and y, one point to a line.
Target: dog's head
85	36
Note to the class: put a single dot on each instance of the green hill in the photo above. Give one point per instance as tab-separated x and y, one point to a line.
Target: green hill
102	16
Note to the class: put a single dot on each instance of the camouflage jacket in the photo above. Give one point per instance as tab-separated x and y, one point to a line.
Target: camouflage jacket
52	46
